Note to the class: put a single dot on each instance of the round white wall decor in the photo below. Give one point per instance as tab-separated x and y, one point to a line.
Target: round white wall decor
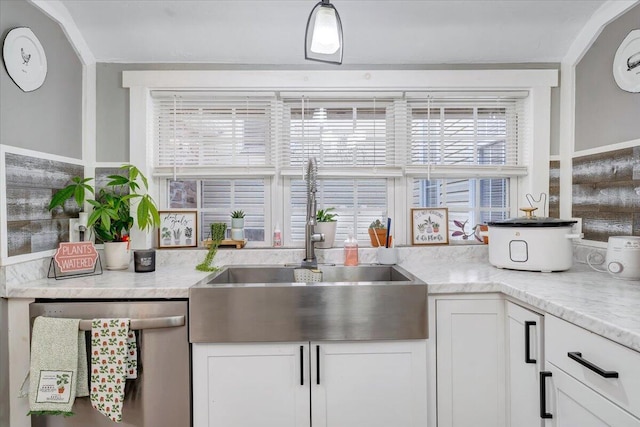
626	63
24	59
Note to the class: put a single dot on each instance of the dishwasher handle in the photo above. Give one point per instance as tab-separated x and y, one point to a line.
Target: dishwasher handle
148	323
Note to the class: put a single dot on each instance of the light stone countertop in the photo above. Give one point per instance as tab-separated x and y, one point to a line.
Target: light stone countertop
592	300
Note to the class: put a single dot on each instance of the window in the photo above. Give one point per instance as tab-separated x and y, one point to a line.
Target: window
349	138
453	140
219	151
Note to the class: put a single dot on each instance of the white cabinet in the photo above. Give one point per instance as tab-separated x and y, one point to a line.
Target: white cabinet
470	362
328	384
524	363
591	381
251	385
369	384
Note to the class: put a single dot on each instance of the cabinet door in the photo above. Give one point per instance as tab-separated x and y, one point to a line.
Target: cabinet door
573	404
369	384
251	385
525	357
470	363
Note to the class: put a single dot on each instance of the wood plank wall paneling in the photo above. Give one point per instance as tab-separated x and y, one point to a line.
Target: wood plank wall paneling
31	182
606	193
554	189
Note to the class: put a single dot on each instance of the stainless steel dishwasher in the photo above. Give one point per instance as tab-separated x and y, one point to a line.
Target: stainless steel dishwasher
161	396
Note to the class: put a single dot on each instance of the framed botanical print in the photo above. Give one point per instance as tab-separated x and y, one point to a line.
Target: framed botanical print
178	229
429	226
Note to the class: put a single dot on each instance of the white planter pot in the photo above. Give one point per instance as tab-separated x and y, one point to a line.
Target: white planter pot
117	255
237	234
329	231
237	223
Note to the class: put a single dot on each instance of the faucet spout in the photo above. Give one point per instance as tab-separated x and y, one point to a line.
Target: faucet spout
310	236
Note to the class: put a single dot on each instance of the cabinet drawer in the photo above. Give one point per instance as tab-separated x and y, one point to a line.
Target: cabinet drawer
562	338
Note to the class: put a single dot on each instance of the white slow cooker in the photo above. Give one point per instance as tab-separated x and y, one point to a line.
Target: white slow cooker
532	243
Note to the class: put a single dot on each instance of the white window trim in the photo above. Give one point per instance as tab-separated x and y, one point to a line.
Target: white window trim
537	82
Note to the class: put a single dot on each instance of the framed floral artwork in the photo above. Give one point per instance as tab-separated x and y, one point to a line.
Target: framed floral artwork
429	226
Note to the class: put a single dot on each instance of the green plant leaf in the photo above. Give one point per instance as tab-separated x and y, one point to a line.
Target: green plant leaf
61	196
116	180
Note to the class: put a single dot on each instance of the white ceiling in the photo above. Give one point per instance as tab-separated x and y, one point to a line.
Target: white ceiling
271	32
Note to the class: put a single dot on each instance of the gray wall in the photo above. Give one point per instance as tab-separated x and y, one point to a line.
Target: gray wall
605	114
113	100
48	119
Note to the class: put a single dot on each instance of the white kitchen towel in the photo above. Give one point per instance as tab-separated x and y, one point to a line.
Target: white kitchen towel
113	360
58	369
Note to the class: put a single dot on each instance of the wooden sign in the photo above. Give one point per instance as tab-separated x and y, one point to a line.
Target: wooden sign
76	256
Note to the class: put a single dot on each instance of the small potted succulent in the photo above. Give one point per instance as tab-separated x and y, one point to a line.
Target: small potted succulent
377	233
237	219
326	223
237	225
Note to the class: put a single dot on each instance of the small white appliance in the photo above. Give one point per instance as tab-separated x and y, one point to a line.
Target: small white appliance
623	257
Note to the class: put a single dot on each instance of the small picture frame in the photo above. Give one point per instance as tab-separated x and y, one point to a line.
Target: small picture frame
429	226
178	229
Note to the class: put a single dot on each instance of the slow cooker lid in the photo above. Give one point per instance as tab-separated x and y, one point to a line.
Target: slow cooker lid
532	222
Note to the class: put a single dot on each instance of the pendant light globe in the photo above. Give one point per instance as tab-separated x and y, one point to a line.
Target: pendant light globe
323	36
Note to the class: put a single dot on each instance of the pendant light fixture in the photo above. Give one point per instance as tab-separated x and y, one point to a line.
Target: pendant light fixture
323	37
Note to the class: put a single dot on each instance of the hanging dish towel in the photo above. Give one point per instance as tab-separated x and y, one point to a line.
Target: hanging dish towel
58	371
113	360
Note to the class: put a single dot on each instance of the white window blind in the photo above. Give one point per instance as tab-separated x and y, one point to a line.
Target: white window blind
458	136
200	133
353	137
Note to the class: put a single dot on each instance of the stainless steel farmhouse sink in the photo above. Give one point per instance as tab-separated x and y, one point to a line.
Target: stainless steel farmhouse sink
265	304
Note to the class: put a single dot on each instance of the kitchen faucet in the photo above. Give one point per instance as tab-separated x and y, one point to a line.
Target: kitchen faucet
310	237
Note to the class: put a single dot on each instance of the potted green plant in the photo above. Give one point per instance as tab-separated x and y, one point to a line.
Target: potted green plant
111	218
326	224
218	230
377	233
237	225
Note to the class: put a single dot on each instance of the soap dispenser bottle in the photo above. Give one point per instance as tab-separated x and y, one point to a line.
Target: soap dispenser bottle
351	250
277	236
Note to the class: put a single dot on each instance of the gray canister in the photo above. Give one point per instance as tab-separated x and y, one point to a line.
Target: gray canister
144	260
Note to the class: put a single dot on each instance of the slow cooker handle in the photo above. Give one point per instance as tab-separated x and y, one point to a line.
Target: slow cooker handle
574	236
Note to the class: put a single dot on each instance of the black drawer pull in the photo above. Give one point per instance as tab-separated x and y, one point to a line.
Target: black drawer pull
301	365
318	364
543	395
527	341
577	356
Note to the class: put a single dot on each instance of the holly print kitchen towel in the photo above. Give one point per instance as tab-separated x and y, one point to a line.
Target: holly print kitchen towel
113	360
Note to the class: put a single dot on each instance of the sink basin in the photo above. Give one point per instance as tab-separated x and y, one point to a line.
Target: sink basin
264	304
248	275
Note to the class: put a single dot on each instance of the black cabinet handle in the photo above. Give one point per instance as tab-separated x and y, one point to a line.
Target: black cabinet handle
543	395
527	341
301	365
577	356
318	364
